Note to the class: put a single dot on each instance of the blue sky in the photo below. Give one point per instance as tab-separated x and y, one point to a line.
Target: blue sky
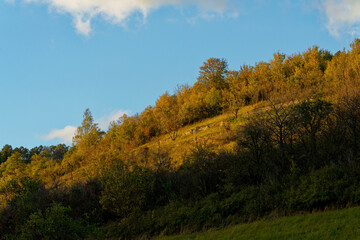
59	57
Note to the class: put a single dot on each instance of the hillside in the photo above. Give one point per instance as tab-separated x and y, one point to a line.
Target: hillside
217	132
277	138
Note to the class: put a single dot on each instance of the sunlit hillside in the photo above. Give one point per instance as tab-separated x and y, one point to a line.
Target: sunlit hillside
273	139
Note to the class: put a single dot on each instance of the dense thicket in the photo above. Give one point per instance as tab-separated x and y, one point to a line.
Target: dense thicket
298	153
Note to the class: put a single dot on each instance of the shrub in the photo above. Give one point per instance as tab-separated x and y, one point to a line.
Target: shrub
318	190
54	224
126	191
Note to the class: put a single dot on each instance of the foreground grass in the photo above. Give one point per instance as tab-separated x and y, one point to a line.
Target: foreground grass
340	224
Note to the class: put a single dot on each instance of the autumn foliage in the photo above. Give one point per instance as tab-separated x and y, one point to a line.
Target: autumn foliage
298	152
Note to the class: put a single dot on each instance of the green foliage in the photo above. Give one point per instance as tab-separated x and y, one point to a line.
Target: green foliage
254	139
311	117
200	174
83	199
320	189
12	174
14	166
6	152
126	191
55	223
25	196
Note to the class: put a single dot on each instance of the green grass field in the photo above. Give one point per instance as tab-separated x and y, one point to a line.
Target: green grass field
340	224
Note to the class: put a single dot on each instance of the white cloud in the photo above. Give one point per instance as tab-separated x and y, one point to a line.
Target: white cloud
117	11
65	135
342	15
82	26
104	122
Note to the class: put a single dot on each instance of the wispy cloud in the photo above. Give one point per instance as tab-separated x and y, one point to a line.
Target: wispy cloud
343	16
118	11
82	26
104	122
66	134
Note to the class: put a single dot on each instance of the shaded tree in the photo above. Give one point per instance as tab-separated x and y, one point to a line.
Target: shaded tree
311	117
254	139
126	191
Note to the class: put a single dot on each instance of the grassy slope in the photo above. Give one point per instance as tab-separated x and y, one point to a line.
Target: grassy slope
213	132
340	224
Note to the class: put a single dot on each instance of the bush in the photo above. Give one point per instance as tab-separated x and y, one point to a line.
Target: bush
200	174
29	196
83	199
126	191
318	190
54	224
